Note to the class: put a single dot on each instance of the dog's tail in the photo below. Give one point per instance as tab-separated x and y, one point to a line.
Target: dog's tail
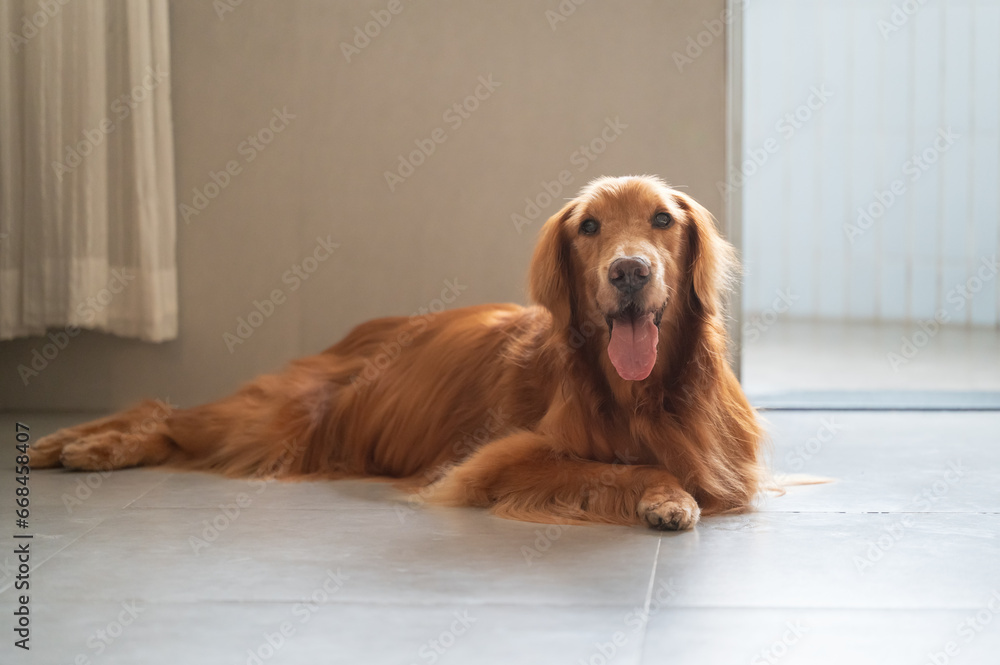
778	482
793	479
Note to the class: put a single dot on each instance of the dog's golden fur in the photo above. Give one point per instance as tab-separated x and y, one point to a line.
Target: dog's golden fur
515	408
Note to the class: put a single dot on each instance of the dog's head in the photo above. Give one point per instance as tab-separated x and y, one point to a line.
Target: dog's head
629	252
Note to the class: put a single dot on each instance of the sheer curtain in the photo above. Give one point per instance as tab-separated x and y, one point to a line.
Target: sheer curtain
87	217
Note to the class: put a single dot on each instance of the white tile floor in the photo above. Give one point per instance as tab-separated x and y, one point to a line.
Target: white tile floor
892	563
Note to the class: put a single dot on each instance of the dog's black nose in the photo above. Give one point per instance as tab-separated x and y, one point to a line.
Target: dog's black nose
629	273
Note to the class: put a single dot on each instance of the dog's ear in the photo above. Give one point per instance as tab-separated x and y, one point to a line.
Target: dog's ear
549	279
711	260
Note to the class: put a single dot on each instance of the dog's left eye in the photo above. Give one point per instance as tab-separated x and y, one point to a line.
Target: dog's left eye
662	220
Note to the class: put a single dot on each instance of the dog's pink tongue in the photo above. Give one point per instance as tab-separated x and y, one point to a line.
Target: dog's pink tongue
633	347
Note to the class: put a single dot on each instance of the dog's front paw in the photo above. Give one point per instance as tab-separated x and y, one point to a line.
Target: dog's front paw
45	452
669	511
99	452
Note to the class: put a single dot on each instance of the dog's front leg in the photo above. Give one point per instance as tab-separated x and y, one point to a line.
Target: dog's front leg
524	477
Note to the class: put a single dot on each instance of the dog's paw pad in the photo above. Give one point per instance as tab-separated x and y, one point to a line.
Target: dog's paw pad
670	513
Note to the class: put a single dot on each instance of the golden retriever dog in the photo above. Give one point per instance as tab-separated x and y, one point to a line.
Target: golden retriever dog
608	401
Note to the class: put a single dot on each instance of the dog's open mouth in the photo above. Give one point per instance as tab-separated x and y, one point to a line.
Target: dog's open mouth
634	335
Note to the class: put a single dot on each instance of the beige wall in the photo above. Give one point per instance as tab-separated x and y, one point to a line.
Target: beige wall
322	175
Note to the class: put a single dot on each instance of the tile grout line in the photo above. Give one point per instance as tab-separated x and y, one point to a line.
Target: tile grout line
45	560
649	598
101	520
148	490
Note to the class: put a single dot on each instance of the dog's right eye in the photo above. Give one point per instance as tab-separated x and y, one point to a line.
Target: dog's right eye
589	227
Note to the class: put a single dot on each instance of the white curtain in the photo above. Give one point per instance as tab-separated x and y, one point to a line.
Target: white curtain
87	218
